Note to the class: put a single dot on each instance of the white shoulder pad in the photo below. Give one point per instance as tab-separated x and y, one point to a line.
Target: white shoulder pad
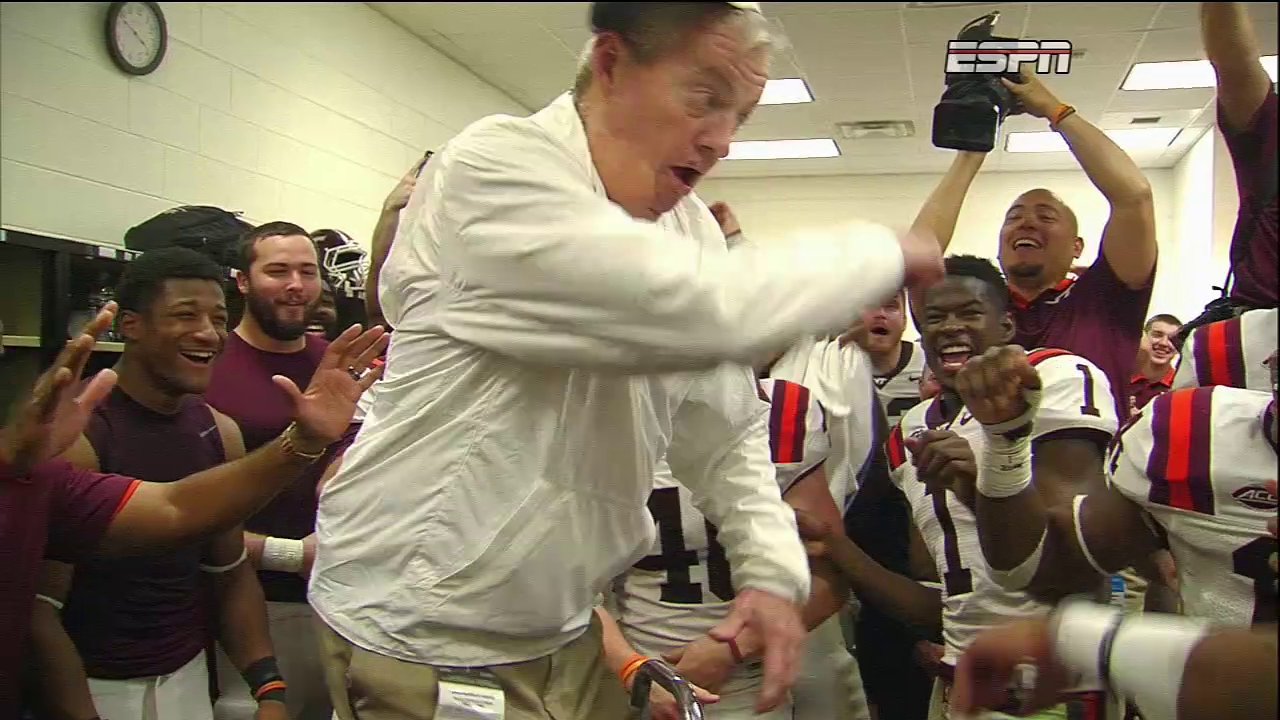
1076	394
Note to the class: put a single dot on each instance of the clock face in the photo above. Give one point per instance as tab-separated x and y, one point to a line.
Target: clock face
137	36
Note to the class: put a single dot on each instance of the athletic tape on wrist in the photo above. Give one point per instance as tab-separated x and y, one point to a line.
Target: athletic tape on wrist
1006	466
1020	577
56	604
283	554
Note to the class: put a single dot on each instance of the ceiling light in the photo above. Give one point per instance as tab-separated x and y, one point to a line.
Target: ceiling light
1129	139
783	149
1180	74
786	91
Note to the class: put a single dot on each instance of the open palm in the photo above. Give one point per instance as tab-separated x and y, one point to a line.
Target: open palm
324	410
56	414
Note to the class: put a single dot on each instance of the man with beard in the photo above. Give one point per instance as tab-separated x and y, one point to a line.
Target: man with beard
279	277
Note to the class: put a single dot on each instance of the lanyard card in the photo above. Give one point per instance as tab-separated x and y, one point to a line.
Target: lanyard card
469	695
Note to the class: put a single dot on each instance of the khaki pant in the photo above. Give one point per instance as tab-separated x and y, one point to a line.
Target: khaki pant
298	654
572	683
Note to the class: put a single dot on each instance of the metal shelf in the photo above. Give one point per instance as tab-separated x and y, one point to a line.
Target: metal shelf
27	341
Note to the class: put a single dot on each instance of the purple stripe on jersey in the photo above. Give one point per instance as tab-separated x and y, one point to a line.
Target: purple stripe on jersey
1235	353
1159	458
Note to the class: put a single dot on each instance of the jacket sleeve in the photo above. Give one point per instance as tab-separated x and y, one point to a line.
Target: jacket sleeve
541	267
720	451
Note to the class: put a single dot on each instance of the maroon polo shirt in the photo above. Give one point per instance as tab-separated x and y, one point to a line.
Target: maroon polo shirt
1253	243
1096	316
58	512
1144	389
241	388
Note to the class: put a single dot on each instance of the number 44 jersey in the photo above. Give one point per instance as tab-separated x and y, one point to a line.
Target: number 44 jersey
1076	399
684	587
1198	461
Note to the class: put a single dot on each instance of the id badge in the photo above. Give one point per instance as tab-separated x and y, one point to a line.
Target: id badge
469	695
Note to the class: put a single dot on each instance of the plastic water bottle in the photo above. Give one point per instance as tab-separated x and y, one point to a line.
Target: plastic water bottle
1117	591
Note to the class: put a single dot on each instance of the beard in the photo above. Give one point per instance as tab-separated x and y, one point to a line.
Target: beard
264	313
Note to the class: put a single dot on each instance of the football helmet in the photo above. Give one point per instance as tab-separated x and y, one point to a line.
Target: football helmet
343	262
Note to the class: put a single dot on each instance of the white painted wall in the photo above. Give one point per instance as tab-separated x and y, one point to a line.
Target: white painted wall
307	112
770	208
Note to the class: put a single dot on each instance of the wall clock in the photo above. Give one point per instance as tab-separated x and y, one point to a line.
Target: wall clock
137	36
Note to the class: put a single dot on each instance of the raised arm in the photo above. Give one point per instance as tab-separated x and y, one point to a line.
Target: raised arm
1232	48
941	209
384	233
1129	238
552	272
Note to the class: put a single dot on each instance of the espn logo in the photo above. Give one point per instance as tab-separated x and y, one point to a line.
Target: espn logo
1007	56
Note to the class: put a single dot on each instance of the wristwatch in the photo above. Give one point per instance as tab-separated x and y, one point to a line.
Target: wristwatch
288	443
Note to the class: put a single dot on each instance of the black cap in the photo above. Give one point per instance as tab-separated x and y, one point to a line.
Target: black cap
620	16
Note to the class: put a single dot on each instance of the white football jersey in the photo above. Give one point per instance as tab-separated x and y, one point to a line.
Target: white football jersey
1198	460
899	389
1230	352
684	587
1076	396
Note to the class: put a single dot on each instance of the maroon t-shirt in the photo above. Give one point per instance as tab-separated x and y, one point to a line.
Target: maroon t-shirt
241	388
1253	244
145	615
1097	317
58	512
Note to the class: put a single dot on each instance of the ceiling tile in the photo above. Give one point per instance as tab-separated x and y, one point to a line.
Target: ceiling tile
1183	44
1129	101
1066	21
863	61
938	25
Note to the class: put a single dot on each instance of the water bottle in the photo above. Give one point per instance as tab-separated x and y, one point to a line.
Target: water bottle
1117	591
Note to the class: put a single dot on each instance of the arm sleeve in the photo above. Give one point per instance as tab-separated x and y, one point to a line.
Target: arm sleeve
542	267
798	439
82	506
720	451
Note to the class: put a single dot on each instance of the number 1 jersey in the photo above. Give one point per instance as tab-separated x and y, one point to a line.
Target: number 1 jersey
684	587
1075	398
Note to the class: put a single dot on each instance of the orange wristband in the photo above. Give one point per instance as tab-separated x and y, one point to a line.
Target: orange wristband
630	668
1061	113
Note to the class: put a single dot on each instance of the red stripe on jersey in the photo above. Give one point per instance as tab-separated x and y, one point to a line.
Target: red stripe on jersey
787	421
1178	467
1039	356
895	449
1219	354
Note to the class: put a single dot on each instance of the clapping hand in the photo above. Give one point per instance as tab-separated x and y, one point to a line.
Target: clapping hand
324	411
55	415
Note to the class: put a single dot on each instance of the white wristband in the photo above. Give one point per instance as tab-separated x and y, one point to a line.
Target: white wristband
1006	466
1079	633
56	604
282	554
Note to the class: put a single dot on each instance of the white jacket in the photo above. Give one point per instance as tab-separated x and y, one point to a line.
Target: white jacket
500	478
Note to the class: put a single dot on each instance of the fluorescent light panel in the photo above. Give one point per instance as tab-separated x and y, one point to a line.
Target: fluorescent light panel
1180	74
1129	139
786	91
783	149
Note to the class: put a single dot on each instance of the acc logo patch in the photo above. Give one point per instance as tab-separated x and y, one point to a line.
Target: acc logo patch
1256	497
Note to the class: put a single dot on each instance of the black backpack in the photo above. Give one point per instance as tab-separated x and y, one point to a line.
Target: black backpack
211	231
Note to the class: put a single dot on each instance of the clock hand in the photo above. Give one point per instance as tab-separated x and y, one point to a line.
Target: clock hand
135	34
